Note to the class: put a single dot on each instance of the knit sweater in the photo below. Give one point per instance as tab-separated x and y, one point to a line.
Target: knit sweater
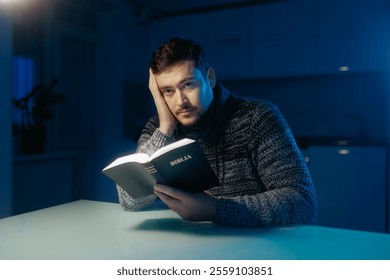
264	180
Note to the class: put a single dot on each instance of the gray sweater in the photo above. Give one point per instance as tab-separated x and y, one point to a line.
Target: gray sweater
264	180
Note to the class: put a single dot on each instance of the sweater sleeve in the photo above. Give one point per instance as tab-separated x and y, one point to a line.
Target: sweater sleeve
151	140
289	196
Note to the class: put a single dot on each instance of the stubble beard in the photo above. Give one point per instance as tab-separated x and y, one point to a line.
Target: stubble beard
191	120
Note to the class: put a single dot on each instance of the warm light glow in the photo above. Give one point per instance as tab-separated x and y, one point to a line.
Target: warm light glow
9	5
343	68
344	152
10	2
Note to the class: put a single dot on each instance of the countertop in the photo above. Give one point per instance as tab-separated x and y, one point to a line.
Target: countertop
99	230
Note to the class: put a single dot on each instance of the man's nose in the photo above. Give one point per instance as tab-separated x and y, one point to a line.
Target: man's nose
181	98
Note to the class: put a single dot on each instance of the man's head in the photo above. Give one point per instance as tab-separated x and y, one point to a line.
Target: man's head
175	51
184	79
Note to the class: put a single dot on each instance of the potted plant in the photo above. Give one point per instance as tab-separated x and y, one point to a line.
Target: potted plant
35	109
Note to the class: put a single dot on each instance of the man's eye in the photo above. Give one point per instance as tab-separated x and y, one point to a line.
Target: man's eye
189	85
167	92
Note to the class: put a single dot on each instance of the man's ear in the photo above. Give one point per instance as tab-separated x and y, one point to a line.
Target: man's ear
211	76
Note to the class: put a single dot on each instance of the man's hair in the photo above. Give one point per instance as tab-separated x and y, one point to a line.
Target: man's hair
177	50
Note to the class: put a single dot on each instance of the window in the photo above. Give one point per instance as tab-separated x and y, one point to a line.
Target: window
23	81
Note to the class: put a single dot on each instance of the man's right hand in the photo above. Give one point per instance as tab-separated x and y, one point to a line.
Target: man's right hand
167	120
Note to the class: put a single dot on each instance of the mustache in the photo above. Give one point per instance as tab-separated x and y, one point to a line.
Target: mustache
184	108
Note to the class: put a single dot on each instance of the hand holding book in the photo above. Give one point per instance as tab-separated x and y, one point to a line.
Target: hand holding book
192	206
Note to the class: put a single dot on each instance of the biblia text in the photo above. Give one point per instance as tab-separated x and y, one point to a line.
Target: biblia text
180	160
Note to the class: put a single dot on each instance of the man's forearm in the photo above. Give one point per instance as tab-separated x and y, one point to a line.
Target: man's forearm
156	141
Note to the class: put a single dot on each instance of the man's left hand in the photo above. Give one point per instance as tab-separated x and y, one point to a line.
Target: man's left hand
200	206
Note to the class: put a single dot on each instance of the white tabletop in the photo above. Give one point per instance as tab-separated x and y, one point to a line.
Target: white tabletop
100	230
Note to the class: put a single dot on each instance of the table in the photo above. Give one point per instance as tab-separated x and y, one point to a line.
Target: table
100	230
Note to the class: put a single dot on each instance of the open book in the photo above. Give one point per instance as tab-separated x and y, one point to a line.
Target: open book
181	164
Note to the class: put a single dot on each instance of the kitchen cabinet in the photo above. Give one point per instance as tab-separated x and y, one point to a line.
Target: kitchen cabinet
193	26
286	57
230	61
287	38
225	36
352	36
350	16
42	181
351	186
284	39
230	49
265	40
353	52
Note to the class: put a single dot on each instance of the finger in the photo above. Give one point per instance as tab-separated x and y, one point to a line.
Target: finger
170	191
164	197
153	86
171	202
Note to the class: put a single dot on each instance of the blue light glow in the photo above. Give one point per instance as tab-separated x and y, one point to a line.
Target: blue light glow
23	80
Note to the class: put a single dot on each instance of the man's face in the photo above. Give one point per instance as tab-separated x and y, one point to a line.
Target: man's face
187	93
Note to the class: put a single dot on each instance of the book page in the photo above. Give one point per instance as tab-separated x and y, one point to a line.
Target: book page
141	158
171	147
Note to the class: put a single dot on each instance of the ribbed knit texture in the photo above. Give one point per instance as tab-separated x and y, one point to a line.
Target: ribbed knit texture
264	180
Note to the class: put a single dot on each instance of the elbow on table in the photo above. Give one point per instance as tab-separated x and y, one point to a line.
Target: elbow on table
129	203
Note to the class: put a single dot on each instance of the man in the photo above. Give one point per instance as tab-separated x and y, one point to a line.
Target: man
263	177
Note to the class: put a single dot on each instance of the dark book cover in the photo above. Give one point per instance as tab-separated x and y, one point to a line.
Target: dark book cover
185	168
